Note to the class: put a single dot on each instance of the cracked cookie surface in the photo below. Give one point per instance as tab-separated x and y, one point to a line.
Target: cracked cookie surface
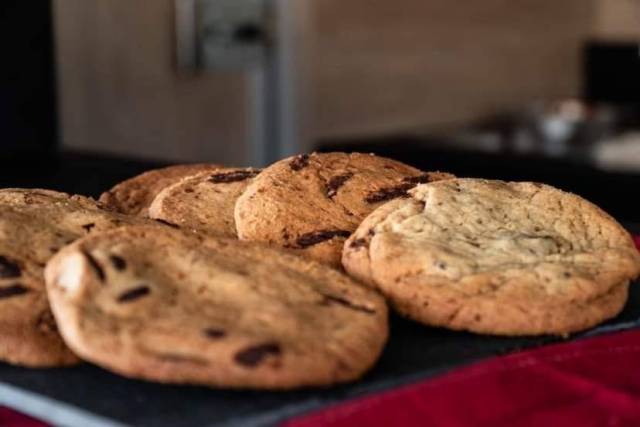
175	307
495	257
34	225
205	201
312	203
133	196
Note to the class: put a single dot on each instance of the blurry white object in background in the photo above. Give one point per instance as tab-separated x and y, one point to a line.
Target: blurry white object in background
570	126
619	153
557	123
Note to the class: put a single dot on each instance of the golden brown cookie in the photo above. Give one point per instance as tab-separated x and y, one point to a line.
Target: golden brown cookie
168	306
496	257
312	203
133	196
204	201
34	225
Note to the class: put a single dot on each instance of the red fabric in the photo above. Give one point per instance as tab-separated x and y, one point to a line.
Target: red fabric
591	382
10	418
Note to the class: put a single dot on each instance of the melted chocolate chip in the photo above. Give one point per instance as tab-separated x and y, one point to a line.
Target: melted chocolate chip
88	227
94	265
134	294
8	269
214	333
328	299
118	262
336	182
253	356
13	290
167	223
299	162
315	237
233	176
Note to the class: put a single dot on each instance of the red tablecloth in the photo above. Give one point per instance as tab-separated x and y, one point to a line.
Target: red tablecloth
591	382
9	418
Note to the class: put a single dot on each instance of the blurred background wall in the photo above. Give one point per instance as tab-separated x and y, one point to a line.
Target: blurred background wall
120	91
437	62
375	67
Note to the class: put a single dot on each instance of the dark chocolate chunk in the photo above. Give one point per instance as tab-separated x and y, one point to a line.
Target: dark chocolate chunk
336	182
359	243
13	290
315	237
94	265
253	356
233	176
328	299
299	162
134	294
389	193
88	227
167	223
400	190
214	333
118	262
8	268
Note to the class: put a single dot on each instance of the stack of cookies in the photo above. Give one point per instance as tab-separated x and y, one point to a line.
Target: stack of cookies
280	278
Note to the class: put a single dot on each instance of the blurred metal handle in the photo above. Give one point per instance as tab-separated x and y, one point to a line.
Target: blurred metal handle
265	40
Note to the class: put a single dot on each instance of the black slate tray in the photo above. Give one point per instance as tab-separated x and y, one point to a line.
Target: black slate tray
89	396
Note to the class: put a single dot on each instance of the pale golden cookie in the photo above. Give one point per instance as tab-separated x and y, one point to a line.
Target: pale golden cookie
496	257
133	196
169	306
34	225
312	203
204	201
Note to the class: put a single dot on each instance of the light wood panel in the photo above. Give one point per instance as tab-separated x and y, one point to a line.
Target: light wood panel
617	19
120	93
385	66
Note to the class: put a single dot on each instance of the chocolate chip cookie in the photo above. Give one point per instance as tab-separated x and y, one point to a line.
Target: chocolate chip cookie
34	225
204	201
496	257
312	203
169	306
133	196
